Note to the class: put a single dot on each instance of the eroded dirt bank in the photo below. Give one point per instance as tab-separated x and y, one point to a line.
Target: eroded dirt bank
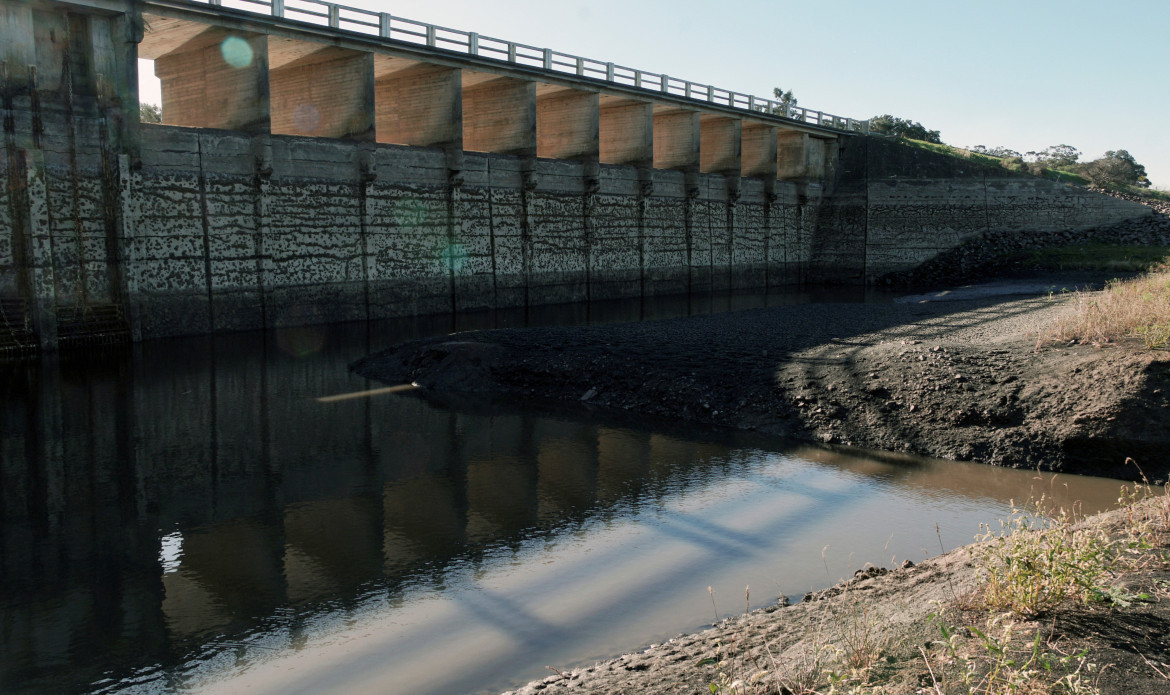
956	379
894	616
951	379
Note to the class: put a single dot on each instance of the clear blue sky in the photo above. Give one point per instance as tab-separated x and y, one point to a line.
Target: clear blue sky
1025	74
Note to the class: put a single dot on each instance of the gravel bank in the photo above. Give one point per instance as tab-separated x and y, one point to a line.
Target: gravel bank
950	379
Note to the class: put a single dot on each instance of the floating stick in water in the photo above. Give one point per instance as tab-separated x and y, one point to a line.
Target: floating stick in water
366	394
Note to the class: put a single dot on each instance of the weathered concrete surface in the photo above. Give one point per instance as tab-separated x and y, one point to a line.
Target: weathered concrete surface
719	148
567	125
471	190
225	230
419	105
499	115
676	139
334	230
626	132
327	93
200	88
895	207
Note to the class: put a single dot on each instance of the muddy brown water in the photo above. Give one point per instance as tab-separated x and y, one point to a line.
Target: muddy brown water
187	516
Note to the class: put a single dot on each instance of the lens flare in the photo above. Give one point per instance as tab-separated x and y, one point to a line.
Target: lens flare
236	52
306	118
454	257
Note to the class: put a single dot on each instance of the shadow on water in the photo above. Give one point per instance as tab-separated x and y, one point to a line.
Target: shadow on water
186	509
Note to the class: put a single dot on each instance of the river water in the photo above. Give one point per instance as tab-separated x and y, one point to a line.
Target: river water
186	516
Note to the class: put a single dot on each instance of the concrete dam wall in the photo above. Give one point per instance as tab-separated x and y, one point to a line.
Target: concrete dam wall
894	207
218	231
333	230
526	188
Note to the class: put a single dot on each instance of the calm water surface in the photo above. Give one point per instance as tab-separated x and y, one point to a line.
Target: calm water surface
186	516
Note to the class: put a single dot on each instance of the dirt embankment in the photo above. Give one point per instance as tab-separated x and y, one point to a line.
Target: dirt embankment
956	379
891	619
951	379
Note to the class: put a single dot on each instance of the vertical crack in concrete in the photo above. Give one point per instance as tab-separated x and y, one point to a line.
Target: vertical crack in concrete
587	228
452	192
82	289
206	224
491	219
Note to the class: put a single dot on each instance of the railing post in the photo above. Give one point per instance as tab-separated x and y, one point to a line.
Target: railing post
215	3
580	67
384	25
334	16
665	84
788	110
609	72
511	52
278	8
548	59
751	103
687	90
638	79
473	43
430	36
711	93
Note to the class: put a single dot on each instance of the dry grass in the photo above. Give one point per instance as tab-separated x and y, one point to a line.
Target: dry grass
1135	308
991	643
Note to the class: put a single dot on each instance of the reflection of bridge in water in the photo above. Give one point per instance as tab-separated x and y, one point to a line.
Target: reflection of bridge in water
265	499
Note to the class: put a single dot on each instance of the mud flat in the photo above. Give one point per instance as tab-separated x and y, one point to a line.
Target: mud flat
952	375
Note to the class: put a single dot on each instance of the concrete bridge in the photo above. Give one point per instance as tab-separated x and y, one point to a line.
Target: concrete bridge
318	69
321	163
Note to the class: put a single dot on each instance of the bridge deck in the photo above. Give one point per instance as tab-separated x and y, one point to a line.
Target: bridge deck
172	22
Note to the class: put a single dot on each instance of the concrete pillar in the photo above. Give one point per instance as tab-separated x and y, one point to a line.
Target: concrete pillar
501	498
114	42
676	139
421	105
626	132
792	156
499	115
816	158
831	158
759	150
51	37
218	79
42	304
17	43
109	58
719	149
327	93
567	122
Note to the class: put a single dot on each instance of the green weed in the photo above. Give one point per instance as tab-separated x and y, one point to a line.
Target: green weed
1034	563
1002	660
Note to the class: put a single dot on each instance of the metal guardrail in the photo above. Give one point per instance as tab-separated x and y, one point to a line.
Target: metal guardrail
386	26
